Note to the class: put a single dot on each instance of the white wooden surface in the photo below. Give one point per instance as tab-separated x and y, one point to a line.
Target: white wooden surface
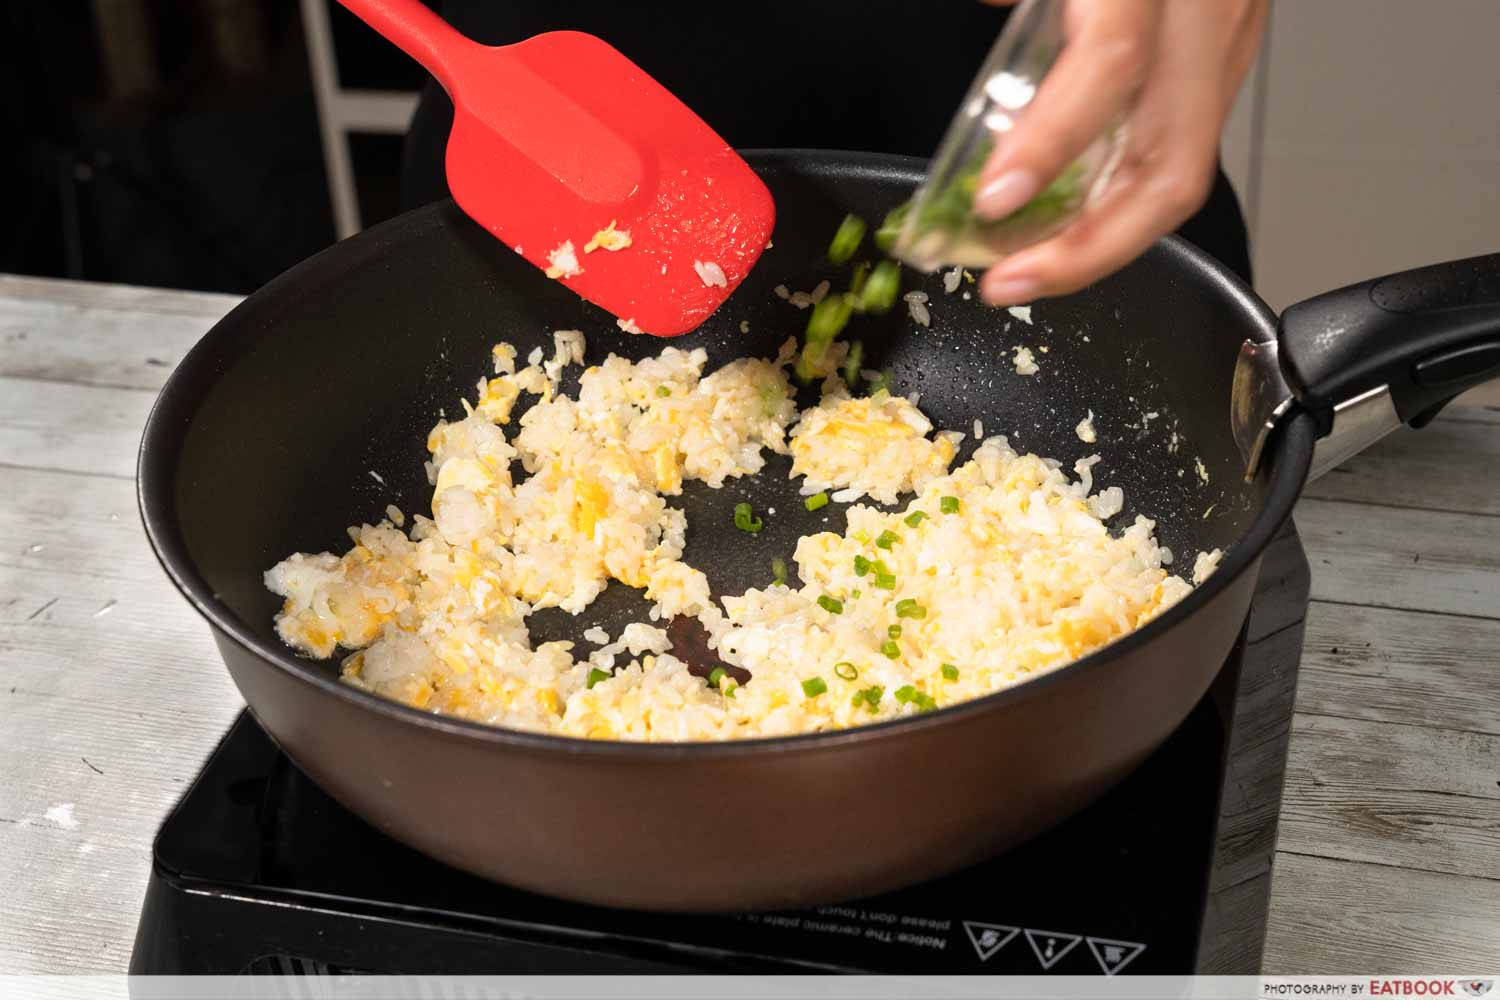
111	692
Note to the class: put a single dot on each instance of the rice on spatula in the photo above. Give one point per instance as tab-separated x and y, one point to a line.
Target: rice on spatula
570	154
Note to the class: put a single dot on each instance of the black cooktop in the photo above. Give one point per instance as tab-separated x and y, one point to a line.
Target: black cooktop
256	869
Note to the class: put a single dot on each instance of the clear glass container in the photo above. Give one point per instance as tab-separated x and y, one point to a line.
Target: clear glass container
938	227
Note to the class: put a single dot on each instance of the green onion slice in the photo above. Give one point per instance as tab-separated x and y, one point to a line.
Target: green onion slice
853	362
832	605
908	608
861	565
870	697
950	672
881	288
595	676
845	670
663	391
814	686
948	505
857	282
885	236
816	502
886	539
915	518
894	631
890	649
828	318
778	570
846	241
716	676
745	519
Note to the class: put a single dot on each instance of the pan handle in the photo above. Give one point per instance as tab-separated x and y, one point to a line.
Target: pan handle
1426	335
1365	359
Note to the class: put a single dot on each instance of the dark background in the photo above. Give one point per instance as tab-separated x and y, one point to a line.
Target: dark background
175	142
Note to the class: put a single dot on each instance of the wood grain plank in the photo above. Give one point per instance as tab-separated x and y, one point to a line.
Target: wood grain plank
1234	929
103	668
1341	917
1484	396
1410	559
109	335
67	293
71	428
1409	796
1449	465
1405	667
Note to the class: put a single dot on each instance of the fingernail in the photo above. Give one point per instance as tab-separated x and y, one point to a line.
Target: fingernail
1006	193
1010	291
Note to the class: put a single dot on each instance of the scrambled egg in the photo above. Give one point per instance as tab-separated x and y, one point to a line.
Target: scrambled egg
994	572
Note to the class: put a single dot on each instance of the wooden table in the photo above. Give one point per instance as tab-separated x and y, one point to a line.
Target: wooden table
111	692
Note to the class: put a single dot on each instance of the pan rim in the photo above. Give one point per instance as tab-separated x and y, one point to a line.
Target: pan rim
193	378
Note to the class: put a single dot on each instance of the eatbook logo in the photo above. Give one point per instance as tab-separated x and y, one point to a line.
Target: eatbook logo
1476	987
989	938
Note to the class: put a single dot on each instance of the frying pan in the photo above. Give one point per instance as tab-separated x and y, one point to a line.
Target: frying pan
306	409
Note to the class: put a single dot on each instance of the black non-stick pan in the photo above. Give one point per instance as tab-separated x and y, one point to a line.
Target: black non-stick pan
264	441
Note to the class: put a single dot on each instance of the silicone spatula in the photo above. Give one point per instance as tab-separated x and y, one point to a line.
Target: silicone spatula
560	145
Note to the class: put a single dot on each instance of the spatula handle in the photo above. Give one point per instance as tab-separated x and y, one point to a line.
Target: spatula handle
419	32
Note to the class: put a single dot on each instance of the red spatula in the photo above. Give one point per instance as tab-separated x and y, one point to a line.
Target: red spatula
561	146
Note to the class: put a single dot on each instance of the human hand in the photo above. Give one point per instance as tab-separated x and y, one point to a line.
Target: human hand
1172	68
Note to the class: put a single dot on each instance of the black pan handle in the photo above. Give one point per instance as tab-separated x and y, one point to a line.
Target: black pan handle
1426	334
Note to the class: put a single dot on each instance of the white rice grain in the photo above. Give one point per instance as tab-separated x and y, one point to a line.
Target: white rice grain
1085	429
710	274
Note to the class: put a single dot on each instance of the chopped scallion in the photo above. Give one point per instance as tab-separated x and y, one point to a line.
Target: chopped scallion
857	281
881	288
778	570
846	670
814	686
894	631
595	676
745	519
908	608
846	241
869	697
915	518
890	649
832	605
908	695
885	236
950	672
853	361
861	565
886	539
716	676
948	505
663	391
828	318
816	502
885	581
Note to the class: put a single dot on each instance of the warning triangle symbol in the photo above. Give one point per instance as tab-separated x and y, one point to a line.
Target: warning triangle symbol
1113	956
1050	946
989	938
